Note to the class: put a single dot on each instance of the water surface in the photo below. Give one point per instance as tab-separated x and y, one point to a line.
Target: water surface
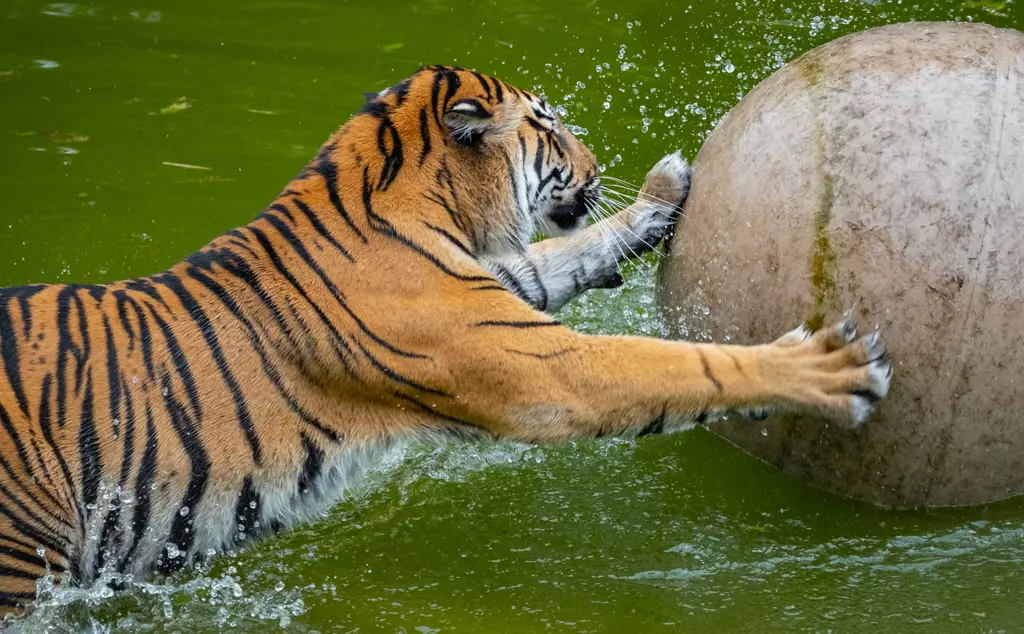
133	132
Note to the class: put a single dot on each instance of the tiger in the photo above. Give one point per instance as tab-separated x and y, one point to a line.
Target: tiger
390	293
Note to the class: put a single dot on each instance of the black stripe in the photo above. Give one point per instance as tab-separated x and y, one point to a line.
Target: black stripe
247	511
523	213
446	173
435	93
43	537
89	449
483	84
17	542
519	324
66	347
312	466
128	434
268	369
448	236
539	283
320	228
17	573
15	477
181	364
538	162
19	447
326	168
536	125
236	266
499	94
144	286
20	500
122	314
707	371
511	282
23	294
656	426
393	158
145	336
392	374
338	296
341	348
143	487
182	535
109	541
206	327
384	227
31	558
536	355
39	457
16	599
279	208
9	353
424	135
113	378
44	426
489	287
433	412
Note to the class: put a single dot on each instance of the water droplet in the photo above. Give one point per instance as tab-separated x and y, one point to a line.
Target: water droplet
279	586
183	511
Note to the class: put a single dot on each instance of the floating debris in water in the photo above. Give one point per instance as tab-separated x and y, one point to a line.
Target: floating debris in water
187	166
149	17
176	107
46	63
65	137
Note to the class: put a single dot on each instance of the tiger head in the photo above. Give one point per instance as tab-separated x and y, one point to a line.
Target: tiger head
512	167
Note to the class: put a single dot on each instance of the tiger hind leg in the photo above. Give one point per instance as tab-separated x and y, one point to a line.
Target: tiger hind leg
23	562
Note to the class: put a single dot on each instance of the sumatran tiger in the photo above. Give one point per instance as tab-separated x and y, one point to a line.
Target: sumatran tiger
390	292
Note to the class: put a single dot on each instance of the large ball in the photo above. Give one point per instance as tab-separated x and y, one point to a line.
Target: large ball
884	172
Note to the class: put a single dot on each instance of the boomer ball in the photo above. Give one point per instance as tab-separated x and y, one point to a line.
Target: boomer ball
885	172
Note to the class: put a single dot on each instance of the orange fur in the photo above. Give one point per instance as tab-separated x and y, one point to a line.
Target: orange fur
358	309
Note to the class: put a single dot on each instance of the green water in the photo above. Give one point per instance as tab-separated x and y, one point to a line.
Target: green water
683	533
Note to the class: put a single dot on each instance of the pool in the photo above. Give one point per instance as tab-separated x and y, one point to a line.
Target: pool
131	133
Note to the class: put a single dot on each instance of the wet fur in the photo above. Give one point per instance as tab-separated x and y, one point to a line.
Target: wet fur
388	293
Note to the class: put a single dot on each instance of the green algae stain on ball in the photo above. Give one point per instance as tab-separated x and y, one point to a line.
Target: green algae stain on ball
883	171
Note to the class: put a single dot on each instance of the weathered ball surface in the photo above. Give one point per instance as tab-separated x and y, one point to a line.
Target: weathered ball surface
884	172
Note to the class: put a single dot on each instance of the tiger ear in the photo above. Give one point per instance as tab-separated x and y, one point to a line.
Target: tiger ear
370	96
468	121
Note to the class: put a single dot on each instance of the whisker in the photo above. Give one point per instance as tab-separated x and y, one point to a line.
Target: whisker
623	226
620	199
607	232
621	191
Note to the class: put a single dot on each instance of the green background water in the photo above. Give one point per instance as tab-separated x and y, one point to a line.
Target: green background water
683	533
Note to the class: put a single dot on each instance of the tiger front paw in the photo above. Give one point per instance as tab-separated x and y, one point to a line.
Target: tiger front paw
835	373
664	192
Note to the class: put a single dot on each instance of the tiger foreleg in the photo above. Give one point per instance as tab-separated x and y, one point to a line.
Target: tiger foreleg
527	378
550	273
